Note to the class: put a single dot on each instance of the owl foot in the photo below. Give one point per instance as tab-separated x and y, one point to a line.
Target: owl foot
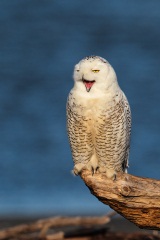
110	173
92	165
92	169
77	168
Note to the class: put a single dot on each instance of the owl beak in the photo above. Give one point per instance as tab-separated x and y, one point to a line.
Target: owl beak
88	84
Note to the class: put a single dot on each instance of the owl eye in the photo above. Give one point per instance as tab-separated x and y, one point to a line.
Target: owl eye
95	70
77	70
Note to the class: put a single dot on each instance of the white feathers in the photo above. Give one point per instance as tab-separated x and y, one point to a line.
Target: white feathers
98	119
105	79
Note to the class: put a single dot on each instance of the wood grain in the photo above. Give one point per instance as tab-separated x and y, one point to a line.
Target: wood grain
135	198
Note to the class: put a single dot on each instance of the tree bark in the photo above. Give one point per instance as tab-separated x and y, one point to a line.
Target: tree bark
135	198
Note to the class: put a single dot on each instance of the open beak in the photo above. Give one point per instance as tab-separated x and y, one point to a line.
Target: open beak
88	84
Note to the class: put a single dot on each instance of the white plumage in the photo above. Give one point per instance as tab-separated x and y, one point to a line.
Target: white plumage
98	119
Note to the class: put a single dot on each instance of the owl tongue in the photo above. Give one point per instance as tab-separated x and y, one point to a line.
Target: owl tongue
88	84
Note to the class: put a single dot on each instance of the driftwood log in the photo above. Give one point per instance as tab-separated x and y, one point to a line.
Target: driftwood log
94	225
135	198
72	228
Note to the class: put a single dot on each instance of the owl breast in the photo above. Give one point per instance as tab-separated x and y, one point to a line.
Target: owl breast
99	129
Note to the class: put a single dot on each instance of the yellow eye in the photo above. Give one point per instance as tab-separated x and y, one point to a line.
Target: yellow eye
95	71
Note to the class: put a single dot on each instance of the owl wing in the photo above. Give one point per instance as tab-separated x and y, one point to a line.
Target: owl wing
113	136
79	134
129	124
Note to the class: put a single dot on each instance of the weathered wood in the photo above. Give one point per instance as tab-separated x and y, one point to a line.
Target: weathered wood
44	225
135	198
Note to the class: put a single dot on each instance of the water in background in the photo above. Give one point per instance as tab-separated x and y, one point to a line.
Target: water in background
40	42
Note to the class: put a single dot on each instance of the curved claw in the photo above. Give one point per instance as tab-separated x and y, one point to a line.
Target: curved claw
78	168
75	172
94	170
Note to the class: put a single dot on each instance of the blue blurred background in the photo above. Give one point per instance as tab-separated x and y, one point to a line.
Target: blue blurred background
40	42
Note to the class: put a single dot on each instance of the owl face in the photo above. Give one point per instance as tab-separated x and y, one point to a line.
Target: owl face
93	73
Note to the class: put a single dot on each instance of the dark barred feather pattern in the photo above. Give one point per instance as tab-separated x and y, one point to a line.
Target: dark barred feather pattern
108	135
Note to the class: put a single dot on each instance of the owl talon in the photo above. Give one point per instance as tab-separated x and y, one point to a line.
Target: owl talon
78	168
91	168
75	172
114	177
92	165
93	171
111	173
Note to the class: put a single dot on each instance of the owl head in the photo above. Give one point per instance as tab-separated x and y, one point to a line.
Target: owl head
94	74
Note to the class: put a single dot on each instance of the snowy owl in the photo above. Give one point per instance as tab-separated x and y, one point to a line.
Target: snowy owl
98	119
